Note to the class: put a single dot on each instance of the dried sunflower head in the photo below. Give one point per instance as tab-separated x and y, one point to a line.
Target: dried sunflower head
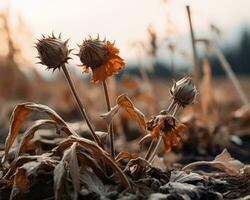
169	127
184	91
52	51
102	57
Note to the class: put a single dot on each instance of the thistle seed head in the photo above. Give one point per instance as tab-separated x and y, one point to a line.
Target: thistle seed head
52	51
93	52
184	91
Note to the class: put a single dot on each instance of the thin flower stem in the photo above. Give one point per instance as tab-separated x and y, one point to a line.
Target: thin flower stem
110	128
175	109
150	149
80	105
156	149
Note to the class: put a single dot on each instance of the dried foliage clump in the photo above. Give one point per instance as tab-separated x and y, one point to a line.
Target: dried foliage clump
134	149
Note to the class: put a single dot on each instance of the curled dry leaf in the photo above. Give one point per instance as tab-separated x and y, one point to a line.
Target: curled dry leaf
183	177
108	117
99	154
95	185
137	167
19	116
102	136
170	128
124	102
87	161
21	182
26	169
224	162
125	155
59	180
68	162
29	134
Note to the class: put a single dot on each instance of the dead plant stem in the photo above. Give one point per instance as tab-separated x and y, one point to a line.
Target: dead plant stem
80	105
110	128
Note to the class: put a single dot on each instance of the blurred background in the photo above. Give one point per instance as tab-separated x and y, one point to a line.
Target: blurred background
154	39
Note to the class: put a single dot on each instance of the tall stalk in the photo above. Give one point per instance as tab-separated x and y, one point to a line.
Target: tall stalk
110	128
80	105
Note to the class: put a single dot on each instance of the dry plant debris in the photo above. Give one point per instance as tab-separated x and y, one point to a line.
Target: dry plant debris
50	160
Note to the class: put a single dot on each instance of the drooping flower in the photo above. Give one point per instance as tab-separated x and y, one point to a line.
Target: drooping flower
184	92
167	126
53	52
102	57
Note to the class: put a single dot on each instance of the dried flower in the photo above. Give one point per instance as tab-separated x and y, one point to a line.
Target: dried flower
102	57
169	127
53	52
184	91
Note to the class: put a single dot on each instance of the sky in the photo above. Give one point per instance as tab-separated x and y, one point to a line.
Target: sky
126	21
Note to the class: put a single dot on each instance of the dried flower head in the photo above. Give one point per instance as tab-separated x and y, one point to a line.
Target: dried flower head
184	91
102	57
53	52
169	127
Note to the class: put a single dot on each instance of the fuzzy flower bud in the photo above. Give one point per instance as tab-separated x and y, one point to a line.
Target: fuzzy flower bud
93	53
53	52
102	57
184	91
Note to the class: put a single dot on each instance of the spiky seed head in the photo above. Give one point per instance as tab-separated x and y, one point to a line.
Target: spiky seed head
93	52
184	91
52	51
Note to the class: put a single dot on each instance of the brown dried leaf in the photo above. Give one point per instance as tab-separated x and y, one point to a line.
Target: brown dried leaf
29	134
94	184
183	177
21	182
87	160
69	163
224	162
102	136
24	175
124	102
59	180
108	117
227	163
98	153
125	155
20	114
70	157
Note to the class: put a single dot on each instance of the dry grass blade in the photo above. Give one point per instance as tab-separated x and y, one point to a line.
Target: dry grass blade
21	113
